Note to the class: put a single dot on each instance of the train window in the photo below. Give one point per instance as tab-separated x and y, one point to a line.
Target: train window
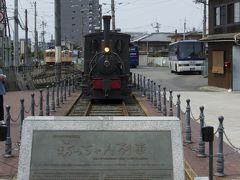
94	46
119	45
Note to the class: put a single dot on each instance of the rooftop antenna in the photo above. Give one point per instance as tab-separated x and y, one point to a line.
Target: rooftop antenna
156	26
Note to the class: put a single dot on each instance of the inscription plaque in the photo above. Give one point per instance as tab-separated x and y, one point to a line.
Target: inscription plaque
101	155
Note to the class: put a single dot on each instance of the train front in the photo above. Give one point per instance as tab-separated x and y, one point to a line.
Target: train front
106	64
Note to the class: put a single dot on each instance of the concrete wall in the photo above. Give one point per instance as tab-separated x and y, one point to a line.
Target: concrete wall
158	61
144	60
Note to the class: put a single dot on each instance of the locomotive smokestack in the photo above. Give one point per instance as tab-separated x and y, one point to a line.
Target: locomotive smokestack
106	20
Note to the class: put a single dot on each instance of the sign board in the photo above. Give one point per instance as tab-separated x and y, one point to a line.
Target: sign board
101	148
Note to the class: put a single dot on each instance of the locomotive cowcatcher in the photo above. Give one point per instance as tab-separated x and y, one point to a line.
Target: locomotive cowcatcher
106	64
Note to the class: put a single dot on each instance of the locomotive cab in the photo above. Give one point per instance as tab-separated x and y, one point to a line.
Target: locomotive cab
106	65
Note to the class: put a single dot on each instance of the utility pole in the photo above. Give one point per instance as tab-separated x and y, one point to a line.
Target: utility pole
100	15
2	28
26	39
184	31
16	47
113	15
58	38
204	2
43	25
205	19
35	32
156	26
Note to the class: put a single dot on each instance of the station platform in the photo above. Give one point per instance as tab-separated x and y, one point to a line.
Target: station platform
195	166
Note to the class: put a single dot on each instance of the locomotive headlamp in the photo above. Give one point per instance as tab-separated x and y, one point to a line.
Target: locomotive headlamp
106	49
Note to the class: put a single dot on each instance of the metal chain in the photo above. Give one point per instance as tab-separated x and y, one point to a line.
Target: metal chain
15	148
27	112
216	131
17	145
15	120
195	119
8	165
37	105
192	149
231	153
230	141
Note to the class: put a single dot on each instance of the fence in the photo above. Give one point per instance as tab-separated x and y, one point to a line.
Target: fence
158	97
53	97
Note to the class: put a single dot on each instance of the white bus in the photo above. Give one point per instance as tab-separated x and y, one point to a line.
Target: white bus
187	55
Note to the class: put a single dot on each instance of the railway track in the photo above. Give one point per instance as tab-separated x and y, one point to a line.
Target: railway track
86	107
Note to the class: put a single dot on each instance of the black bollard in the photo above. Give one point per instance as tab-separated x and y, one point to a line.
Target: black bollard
8	142
141	84
33	105
188	123
41	103
151	92
170	104
154	95
3	131
22	110
159	99
53	98
69	88
144	86
61	92
220	155
134	80
65	89
178	106
164	102
201	144
138	84
57	98
47	103
208	136
148	89
73	84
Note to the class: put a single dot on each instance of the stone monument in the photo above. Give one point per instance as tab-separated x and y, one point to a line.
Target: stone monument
101	148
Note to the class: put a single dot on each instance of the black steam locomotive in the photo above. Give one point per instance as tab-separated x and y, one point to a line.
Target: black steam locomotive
106	64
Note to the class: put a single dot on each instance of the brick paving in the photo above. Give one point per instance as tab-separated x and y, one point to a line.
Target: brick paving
8	166
200	165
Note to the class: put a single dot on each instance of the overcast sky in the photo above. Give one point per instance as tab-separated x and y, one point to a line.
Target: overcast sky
131	15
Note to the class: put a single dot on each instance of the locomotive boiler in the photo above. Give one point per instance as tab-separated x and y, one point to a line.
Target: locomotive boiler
106	64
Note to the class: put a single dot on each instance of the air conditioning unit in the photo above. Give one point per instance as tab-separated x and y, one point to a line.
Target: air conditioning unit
237	39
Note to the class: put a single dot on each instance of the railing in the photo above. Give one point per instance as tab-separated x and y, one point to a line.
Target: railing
53	101
158	98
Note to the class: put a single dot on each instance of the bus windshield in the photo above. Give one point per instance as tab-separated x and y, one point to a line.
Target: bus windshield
191	50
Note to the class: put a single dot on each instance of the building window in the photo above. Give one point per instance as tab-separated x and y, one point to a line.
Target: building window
222	15
230	14
73	24
237	12
218	62
73	17
217	16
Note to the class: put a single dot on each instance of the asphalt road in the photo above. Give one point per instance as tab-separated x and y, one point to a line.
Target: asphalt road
173	81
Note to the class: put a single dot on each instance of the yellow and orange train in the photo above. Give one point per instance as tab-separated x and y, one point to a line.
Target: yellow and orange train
66	57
